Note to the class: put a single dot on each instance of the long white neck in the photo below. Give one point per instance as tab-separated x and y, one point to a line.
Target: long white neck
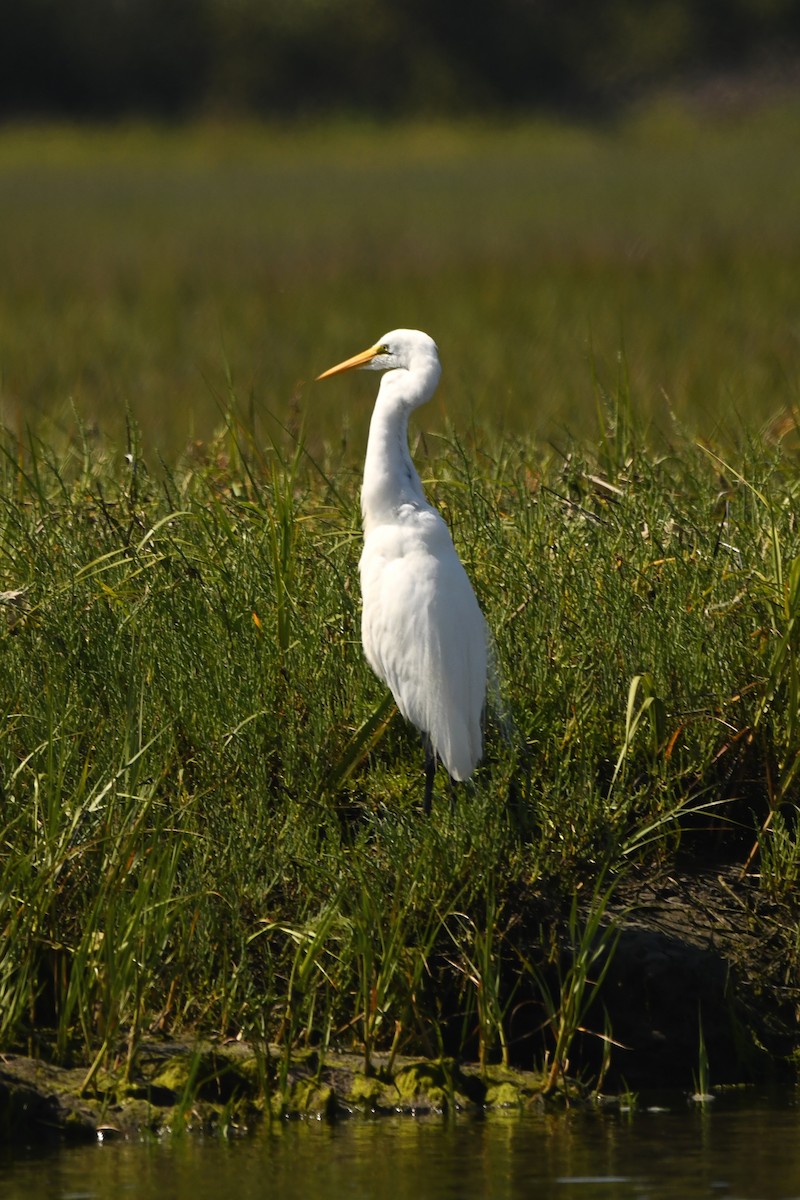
390	478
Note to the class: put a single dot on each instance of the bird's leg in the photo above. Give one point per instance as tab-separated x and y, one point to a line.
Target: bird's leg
430	772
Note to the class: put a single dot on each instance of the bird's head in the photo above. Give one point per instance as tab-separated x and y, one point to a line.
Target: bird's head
402	349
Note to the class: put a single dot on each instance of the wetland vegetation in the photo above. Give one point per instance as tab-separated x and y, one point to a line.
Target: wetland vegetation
210	813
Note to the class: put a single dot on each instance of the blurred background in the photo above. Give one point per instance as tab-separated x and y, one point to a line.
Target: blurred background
168	58
207	199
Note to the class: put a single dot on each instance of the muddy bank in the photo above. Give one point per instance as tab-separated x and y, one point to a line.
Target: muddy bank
218	1088
703	947
695	949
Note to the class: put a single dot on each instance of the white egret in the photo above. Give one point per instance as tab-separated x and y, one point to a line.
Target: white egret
421	628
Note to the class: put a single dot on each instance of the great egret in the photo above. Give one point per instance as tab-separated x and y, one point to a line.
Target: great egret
421	628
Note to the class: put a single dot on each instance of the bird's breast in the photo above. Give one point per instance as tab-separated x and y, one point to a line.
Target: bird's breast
412	531
409	515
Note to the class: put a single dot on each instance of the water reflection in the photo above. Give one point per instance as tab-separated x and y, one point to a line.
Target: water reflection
731	1149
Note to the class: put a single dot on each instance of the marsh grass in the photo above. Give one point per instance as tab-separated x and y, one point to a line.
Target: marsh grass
210	816
702	1080
589	952
478	942
209	808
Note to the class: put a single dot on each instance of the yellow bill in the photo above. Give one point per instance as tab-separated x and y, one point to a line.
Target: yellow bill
358	360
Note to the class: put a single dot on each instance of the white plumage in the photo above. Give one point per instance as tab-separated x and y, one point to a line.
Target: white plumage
422	630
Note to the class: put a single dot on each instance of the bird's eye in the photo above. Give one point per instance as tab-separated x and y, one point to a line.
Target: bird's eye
384	349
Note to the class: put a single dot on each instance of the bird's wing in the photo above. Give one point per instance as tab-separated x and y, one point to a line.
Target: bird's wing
425	636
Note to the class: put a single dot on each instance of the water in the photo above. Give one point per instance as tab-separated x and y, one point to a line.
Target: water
733	1148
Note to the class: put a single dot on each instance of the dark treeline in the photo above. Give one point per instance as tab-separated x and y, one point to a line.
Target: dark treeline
284	57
